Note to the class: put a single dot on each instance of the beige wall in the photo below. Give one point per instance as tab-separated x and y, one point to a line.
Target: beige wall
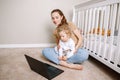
29	21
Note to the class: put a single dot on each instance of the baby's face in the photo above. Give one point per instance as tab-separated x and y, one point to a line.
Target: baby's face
63	36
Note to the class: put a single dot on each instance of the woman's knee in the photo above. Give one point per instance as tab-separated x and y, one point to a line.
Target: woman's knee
45	51
50	54
84	54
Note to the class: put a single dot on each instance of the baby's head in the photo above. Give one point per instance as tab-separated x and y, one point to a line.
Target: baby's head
64	32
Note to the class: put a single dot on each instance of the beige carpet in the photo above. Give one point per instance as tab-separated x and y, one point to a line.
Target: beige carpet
13	66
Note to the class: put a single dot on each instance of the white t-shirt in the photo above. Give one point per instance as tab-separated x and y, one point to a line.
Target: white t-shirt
66	48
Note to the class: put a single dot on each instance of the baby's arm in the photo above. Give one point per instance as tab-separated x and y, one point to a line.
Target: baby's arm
60	52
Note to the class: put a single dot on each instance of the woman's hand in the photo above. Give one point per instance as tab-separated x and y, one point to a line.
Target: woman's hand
60	57
75	51
79	36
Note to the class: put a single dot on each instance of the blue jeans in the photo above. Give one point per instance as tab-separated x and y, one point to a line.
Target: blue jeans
80	56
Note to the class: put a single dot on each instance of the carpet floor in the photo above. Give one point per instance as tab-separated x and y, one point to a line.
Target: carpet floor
13	66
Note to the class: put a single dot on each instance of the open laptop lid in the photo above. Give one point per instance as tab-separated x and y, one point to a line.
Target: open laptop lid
42	68
37	66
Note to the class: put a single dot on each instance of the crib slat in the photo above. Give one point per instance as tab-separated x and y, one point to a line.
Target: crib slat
117	57
84	29
92	27
95	35
88	28
94	31
112	47
79	20
74	16
85	32
100	31
83	22
108	38
106	20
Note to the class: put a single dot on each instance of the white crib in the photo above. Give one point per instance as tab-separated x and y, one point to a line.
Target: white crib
99	23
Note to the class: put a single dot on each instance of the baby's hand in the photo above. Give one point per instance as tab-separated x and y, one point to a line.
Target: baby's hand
64	58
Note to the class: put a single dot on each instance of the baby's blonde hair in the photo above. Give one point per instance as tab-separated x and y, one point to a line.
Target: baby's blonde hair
64	28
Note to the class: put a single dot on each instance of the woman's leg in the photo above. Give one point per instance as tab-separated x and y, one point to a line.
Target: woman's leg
79	57
51	55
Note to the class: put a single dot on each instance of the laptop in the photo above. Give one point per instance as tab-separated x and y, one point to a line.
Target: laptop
44	69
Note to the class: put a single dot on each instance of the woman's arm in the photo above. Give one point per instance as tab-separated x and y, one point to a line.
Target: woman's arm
77	34
79	37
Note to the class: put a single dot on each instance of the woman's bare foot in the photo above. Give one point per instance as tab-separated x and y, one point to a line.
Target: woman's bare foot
76	66
70	65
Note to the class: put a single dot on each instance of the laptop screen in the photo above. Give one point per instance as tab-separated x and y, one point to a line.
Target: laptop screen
44	69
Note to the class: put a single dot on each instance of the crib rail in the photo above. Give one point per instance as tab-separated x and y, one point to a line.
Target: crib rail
100	26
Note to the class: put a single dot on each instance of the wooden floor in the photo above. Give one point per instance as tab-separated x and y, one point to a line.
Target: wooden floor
13	66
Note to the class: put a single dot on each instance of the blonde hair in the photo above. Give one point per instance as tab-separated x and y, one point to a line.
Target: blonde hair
64	28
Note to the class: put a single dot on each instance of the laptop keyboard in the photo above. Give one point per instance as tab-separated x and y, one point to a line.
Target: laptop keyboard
52	68
53	71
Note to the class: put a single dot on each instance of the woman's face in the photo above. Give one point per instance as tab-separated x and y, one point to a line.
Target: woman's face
56	18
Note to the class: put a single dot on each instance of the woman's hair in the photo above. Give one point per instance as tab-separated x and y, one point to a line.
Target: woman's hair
63	21
64	28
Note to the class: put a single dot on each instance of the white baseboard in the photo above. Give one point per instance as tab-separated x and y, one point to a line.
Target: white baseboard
27	45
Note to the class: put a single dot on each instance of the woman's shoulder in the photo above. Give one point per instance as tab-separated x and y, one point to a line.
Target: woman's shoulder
72	25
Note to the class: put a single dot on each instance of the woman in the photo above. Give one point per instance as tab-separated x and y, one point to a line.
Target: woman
80	55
